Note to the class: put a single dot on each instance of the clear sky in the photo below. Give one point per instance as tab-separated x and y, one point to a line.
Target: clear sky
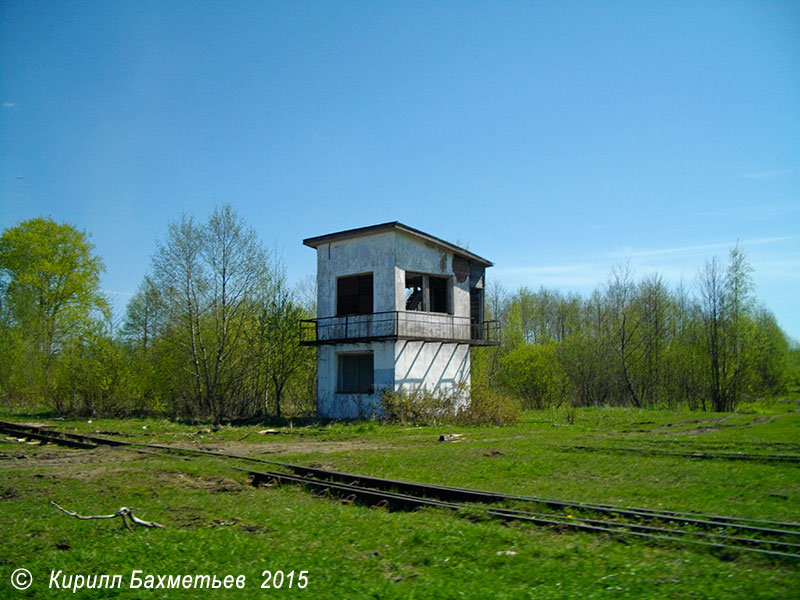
554	138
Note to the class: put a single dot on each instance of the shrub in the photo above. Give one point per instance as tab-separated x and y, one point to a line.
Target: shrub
490	407
534	374
421	406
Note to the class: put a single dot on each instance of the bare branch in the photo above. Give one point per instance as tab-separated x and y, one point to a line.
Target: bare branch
123	512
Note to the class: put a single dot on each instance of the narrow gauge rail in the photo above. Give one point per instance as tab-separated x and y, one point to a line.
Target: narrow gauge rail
780	538
712	444
378	497
457	494
72	440
790	458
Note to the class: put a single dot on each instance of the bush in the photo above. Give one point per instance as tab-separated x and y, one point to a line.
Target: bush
489	407
421	406
534	374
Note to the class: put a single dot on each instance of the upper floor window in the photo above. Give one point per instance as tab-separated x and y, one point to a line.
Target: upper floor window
354	295
427	293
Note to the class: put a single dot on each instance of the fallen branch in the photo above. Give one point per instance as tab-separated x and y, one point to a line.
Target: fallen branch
124	512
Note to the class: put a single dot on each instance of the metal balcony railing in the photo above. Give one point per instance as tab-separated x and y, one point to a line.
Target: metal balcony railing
398	325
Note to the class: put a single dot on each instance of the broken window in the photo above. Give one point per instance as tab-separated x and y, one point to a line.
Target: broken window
427	293
476	312
414	289
439	301
354	295
356	374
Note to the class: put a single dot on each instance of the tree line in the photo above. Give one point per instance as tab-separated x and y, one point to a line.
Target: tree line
212	333
640	343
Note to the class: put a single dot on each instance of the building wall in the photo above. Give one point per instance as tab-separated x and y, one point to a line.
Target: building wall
414	254
368	254
333	405
401	364
431	365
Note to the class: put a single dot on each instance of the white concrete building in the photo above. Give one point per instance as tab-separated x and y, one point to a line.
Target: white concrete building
396	309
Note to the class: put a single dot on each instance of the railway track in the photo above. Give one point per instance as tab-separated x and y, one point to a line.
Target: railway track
772	538
701	454
770	541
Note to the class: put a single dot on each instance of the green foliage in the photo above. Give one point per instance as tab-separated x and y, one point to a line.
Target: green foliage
771	355
93	376
642	345
49	280
793	367
534	374
490	407
217	315
420	406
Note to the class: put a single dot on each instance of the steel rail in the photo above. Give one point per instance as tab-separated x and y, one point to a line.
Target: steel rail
436	493
790	458
469	495
383	496
47	435
622	525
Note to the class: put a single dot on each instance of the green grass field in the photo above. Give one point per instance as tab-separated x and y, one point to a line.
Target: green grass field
218	524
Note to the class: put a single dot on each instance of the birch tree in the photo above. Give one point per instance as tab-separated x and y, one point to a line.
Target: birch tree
213	278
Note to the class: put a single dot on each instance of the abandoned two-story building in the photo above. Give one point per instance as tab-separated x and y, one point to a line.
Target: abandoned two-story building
396	309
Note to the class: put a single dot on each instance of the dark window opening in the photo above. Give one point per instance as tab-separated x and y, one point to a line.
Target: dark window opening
476	312
439	300
414	291
354	295
427	293
356	374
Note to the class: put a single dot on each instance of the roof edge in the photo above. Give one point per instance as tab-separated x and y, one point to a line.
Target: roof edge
314	242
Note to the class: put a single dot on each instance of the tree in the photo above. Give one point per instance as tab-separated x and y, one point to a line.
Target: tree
145	315
93	376
624	325
284	356
727	307
771	354
655	309
212	278
50	291
534	374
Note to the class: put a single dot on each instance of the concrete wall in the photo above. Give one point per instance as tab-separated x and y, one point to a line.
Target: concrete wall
401	364
333	405
432	365
419	256
368	254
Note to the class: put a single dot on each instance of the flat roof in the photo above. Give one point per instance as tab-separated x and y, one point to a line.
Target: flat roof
314	242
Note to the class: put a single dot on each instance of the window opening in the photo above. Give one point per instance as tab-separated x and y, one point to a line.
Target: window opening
354	295
438	294
356	374
414	289
476	312
427	293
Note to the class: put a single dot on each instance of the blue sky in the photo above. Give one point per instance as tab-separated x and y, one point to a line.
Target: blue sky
554	138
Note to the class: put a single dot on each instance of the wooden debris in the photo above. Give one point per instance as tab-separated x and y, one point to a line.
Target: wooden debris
124	512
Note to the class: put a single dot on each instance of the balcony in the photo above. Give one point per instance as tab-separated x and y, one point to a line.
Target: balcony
399	325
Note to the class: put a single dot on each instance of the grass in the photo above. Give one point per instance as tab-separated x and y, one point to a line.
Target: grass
218	524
